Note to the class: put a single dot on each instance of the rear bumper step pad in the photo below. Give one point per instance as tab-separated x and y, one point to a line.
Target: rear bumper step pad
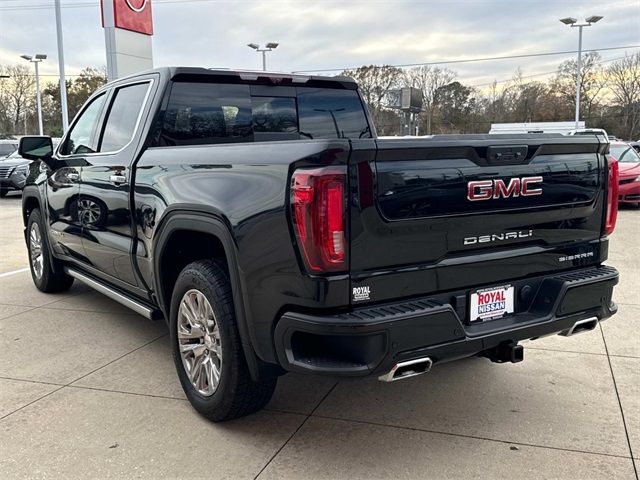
372	339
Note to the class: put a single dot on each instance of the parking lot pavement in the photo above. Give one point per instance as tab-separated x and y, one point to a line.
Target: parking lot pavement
14	255
88	390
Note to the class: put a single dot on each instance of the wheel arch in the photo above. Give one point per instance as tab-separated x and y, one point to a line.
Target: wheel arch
30	201
194	223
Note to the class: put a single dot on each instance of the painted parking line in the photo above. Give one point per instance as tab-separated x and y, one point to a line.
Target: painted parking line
14	272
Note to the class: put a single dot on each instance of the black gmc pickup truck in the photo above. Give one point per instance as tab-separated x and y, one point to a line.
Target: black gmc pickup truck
259	215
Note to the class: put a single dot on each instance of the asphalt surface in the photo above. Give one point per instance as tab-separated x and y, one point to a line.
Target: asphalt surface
88	390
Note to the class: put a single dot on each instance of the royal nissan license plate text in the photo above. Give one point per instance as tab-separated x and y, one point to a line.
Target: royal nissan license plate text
490	303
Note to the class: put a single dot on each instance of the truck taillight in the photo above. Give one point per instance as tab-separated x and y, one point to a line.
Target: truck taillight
318	212
612	197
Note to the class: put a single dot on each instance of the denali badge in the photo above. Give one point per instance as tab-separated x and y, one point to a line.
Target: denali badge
493	189
498	237
361	293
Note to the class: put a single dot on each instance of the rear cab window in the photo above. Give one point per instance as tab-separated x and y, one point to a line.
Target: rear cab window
327	113
210	113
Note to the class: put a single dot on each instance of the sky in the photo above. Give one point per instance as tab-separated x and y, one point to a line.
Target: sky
333	34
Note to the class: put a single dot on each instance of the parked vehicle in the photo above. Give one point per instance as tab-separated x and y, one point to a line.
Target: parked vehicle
259	215
629	166
592	131
534	127
7	146
14	170
636	146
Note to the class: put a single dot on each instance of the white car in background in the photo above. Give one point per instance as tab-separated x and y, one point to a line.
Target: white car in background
7	147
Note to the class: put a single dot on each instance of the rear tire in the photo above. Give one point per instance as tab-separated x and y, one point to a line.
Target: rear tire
206	346
3	192
40	260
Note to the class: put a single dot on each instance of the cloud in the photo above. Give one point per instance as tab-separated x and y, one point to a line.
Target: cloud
332	34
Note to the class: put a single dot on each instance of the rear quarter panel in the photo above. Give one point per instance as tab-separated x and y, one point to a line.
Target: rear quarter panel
246	187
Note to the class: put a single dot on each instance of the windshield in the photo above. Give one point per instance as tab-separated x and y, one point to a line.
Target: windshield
6	149
625	153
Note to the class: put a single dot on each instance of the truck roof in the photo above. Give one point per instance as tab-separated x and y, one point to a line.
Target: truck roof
224	75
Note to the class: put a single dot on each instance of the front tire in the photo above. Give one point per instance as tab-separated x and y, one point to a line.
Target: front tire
40	260
206	346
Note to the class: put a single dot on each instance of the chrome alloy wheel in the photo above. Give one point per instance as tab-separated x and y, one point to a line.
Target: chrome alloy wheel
199	342
35	250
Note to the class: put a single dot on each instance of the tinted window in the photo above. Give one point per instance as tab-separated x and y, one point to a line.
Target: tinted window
274	115
201	113
80	139
123	116
326	113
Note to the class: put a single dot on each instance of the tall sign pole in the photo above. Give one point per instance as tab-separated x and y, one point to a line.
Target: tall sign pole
38	98
128	28
63	82
578	77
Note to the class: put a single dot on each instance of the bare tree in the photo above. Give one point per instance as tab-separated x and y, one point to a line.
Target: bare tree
496	103
592	82
457	108
374	83
624	83
528	98
18	97
428	79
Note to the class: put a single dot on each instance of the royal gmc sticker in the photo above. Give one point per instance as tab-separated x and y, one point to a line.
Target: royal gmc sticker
361	293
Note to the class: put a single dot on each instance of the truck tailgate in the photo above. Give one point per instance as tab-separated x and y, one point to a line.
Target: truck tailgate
449	212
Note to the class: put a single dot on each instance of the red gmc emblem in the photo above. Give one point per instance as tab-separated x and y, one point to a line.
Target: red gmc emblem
493	189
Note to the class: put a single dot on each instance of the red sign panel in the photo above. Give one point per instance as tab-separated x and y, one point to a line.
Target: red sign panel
134	15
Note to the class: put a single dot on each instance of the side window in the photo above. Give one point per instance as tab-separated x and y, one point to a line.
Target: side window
122	117
204	113
80	139
328	113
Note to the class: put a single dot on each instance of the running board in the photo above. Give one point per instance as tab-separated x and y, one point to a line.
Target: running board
113	294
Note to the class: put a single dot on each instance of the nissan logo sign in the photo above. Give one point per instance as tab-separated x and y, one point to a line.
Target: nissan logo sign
132	15
142	3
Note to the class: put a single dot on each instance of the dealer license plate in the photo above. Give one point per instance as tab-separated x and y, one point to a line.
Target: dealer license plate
491	303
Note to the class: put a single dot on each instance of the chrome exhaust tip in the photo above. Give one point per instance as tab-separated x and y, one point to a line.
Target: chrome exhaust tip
581	326
407	369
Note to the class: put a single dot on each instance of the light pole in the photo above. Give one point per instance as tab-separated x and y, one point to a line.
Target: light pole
36	59
268	47
572	22
63	82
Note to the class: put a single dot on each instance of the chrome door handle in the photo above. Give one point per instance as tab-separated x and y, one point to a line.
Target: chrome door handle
118	179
